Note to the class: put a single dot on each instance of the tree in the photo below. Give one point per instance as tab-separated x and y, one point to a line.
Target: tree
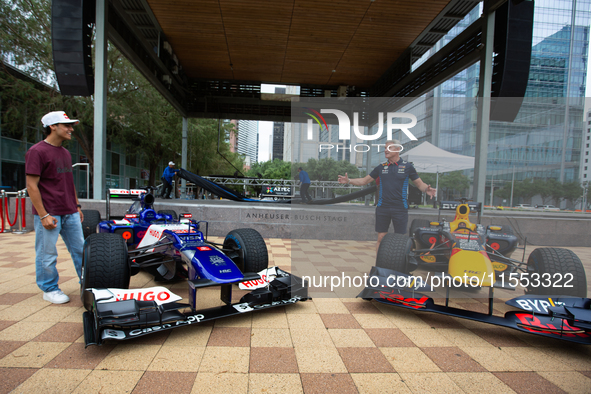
138	116
504	192
555	190
428	178
276	169
451	181
572	191
204	158
524	189
327	169
25	36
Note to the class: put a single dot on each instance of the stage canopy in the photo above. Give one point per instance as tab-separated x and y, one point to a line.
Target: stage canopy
428	158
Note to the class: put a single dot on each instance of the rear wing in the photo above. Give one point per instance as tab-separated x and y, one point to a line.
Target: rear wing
475	207
129	194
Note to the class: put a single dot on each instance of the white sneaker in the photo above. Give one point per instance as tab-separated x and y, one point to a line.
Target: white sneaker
56	297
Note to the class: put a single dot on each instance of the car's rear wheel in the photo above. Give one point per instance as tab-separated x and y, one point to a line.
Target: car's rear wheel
105	263
249	249
170	212
92	218
560	273
393	252
417	223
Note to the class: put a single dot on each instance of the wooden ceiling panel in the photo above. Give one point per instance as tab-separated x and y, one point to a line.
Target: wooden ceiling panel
297	41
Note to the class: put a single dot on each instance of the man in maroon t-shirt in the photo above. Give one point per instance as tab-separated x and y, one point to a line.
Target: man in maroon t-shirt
56	209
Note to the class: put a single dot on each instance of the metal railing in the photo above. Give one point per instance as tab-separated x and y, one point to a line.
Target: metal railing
19	214
277	182
87	177
317	187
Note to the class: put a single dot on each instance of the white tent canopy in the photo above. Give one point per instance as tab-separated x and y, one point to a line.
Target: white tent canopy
428	158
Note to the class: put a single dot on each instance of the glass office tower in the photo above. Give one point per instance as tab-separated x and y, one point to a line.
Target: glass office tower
545	140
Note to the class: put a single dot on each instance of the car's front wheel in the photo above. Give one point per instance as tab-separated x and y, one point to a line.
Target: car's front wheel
249	251
556	271
105	263
393	252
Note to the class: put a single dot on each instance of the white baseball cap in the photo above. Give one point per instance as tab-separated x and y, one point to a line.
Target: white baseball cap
170	163
56	117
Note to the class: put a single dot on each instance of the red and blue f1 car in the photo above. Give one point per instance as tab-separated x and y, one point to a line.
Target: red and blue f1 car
172	248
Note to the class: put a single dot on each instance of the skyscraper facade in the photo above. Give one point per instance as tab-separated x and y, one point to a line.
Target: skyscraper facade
547	138
248	139
585	165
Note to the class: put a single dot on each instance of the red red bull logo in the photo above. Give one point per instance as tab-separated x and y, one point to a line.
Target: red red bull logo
560	327
407	301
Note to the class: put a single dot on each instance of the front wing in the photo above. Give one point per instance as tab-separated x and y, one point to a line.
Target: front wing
127	319
569	318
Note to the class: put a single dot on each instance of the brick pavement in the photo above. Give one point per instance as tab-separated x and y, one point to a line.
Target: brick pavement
325	345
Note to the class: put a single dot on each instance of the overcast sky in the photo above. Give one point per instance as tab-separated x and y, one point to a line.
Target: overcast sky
265	128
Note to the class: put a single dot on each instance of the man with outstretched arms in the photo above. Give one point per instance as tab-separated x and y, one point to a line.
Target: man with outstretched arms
394	175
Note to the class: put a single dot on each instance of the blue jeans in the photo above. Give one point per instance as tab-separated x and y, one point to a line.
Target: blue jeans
70	228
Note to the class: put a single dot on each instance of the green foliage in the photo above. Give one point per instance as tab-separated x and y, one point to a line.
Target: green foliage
588	188
276	169
318	170
572	191
203	135
524	189
428	178
25	35
552	191
138	116
504	192
557	191
450	182
326	169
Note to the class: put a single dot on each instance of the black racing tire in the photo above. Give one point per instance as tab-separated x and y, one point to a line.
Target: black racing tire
560	264
170	212
105	263
393	252
92	218
250	253
417	223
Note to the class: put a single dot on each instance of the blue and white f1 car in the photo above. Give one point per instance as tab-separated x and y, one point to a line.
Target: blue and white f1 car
157	242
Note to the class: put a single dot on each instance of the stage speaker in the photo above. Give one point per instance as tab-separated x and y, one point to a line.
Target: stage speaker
512	45
71	30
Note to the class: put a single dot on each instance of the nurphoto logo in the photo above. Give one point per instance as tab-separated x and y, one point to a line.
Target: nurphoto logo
345	128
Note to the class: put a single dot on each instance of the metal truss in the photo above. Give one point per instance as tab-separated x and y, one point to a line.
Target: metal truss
277	182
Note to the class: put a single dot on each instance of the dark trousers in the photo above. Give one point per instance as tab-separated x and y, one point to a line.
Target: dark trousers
304	192
386	215
166	188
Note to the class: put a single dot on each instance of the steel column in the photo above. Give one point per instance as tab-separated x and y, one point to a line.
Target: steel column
100	100
483	119
184	157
